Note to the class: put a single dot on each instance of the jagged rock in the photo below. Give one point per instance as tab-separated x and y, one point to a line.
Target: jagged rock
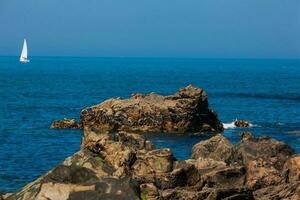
284	191
185	111
66	124
293	167
242	123
217	148
264	158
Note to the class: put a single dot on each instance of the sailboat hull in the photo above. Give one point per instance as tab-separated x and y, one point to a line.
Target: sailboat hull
24	61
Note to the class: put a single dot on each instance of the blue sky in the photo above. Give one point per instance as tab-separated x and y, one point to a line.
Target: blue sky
152	28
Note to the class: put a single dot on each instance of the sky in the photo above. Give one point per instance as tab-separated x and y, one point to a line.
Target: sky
152	28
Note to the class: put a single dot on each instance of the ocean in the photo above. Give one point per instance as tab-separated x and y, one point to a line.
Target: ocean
263	91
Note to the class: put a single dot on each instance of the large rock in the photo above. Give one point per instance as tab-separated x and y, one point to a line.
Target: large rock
217	148
264	159
270	150
185	111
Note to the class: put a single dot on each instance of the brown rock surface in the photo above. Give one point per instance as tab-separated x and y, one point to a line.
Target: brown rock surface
264	158
293	167
284	191
185	111
217	148
66	124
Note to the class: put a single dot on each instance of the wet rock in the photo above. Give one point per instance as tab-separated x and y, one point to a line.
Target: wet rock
292	166
217	148
242	123
185	111
66	124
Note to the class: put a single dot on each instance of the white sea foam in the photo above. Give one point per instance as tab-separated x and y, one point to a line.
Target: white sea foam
229	125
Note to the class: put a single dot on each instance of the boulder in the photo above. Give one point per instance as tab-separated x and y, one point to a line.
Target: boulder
292	165
263	158
217	148
66	124
185	111
242	123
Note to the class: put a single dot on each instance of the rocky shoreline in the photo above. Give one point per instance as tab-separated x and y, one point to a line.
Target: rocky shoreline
127	166
115	162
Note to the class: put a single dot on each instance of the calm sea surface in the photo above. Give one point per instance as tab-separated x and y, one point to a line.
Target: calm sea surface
266	92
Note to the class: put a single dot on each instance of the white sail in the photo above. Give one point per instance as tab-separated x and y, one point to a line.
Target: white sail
23	57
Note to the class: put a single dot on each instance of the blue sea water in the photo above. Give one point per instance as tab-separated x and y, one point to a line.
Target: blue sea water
266	92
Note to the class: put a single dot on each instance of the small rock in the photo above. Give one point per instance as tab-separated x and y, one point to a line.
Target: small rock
242	123
246	135
66	124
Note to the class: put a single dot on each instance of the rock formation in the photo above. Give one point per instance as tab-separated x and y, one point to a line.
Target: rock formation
66	124
127	166
185	111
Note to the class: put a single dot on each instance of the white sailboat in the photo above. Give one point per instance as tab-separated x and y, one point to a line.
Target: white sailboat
23	57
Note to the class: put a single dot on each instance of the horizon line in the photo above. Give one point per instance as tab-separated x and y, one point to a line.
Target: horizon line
165	57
